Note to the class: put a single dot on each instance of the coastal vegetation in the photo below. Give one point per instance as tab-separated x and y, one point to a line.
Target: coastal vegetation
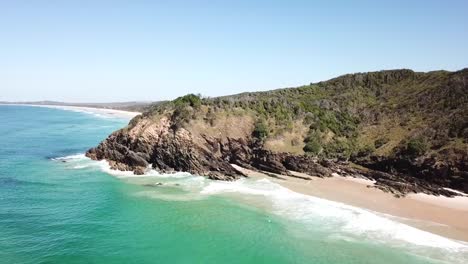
351	114
399	121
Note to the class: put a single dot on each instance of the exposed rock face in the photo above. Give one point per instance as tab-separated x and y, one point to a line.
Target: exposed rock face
380	120
451	173
170	150
167	150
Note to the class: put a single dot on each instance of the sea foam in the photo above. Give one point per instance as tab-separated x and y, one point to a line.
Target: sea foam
338	217
79	156
346	218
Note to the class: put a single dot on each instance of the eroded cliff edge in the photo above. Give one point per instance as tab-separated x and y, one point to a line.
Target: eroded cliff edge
408	131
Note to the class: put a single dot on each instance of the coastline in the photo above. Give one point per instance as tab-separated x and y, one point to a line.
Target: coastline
436	214
104	112
440	215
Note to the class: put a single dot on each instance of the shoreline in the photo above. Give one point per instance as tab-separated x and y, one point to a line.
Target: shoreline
440	215
106	112
444	216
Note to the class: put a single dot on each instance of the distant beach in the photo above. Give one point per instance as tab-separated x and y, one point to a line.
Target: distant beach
105	112
436	214
51	190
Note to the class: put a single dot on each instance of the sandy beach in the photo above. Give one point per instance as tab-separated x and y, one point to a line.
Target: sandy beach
104	112
436	214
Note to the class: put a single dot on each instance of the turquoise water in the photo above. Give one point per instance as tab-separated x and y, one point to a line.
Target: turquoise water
56	206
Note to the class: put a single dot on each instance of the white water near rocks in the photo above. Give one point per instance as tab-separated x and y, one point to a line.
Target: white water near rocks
340	220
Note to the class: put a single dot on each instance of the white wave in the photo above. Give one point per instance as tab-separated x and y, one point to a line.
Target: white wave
175	175
80	166
84	111
338	217
79	156
104	165
343	237
334	215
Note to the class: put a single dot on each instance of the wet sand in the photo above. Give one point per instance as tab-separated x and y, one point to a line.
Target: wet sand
436	214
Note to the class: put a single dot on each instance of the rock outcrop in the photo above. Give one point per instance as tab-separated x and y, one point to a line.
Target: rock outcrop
158	146
407	131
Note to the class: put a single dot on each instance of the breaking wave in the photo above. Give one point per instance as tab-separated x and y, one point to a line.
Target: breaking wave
350	219
343	220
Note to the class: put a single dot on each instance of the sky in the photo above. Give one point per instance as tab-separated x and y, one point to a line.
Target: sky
103	51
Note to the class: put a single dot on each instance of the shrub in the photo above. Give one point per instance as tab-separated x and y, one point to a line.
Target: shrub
313	147
261	129
210	117
180	116
338	149
313	142
342	124
416	147
365	150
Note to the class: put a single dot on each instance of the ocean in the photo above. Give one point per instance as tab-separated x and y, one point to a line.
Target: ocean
57	206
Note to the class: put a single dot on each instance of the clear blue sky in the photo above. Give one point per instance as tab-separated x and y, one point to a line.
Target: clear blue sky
152	50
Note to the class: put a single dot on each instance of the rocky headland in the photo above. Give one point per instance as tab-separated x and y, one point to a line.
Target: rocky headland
407	131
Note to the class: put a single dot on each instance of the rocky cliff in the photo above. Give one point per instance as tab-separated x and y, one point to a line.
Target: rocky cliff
407	130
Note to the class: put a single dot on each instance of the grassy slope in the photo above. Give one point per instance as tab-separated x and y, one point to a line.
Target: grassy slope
382	113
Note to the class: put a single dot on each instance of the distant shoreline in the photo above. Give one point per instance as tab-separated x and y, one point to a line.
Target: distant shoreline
107	112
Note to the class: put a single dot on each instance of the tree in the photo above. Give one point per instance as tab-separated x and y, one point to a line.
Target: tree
188	100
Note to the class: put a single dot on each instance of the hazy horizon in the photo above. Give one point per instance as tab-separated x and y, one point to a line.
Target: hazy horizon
149	51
